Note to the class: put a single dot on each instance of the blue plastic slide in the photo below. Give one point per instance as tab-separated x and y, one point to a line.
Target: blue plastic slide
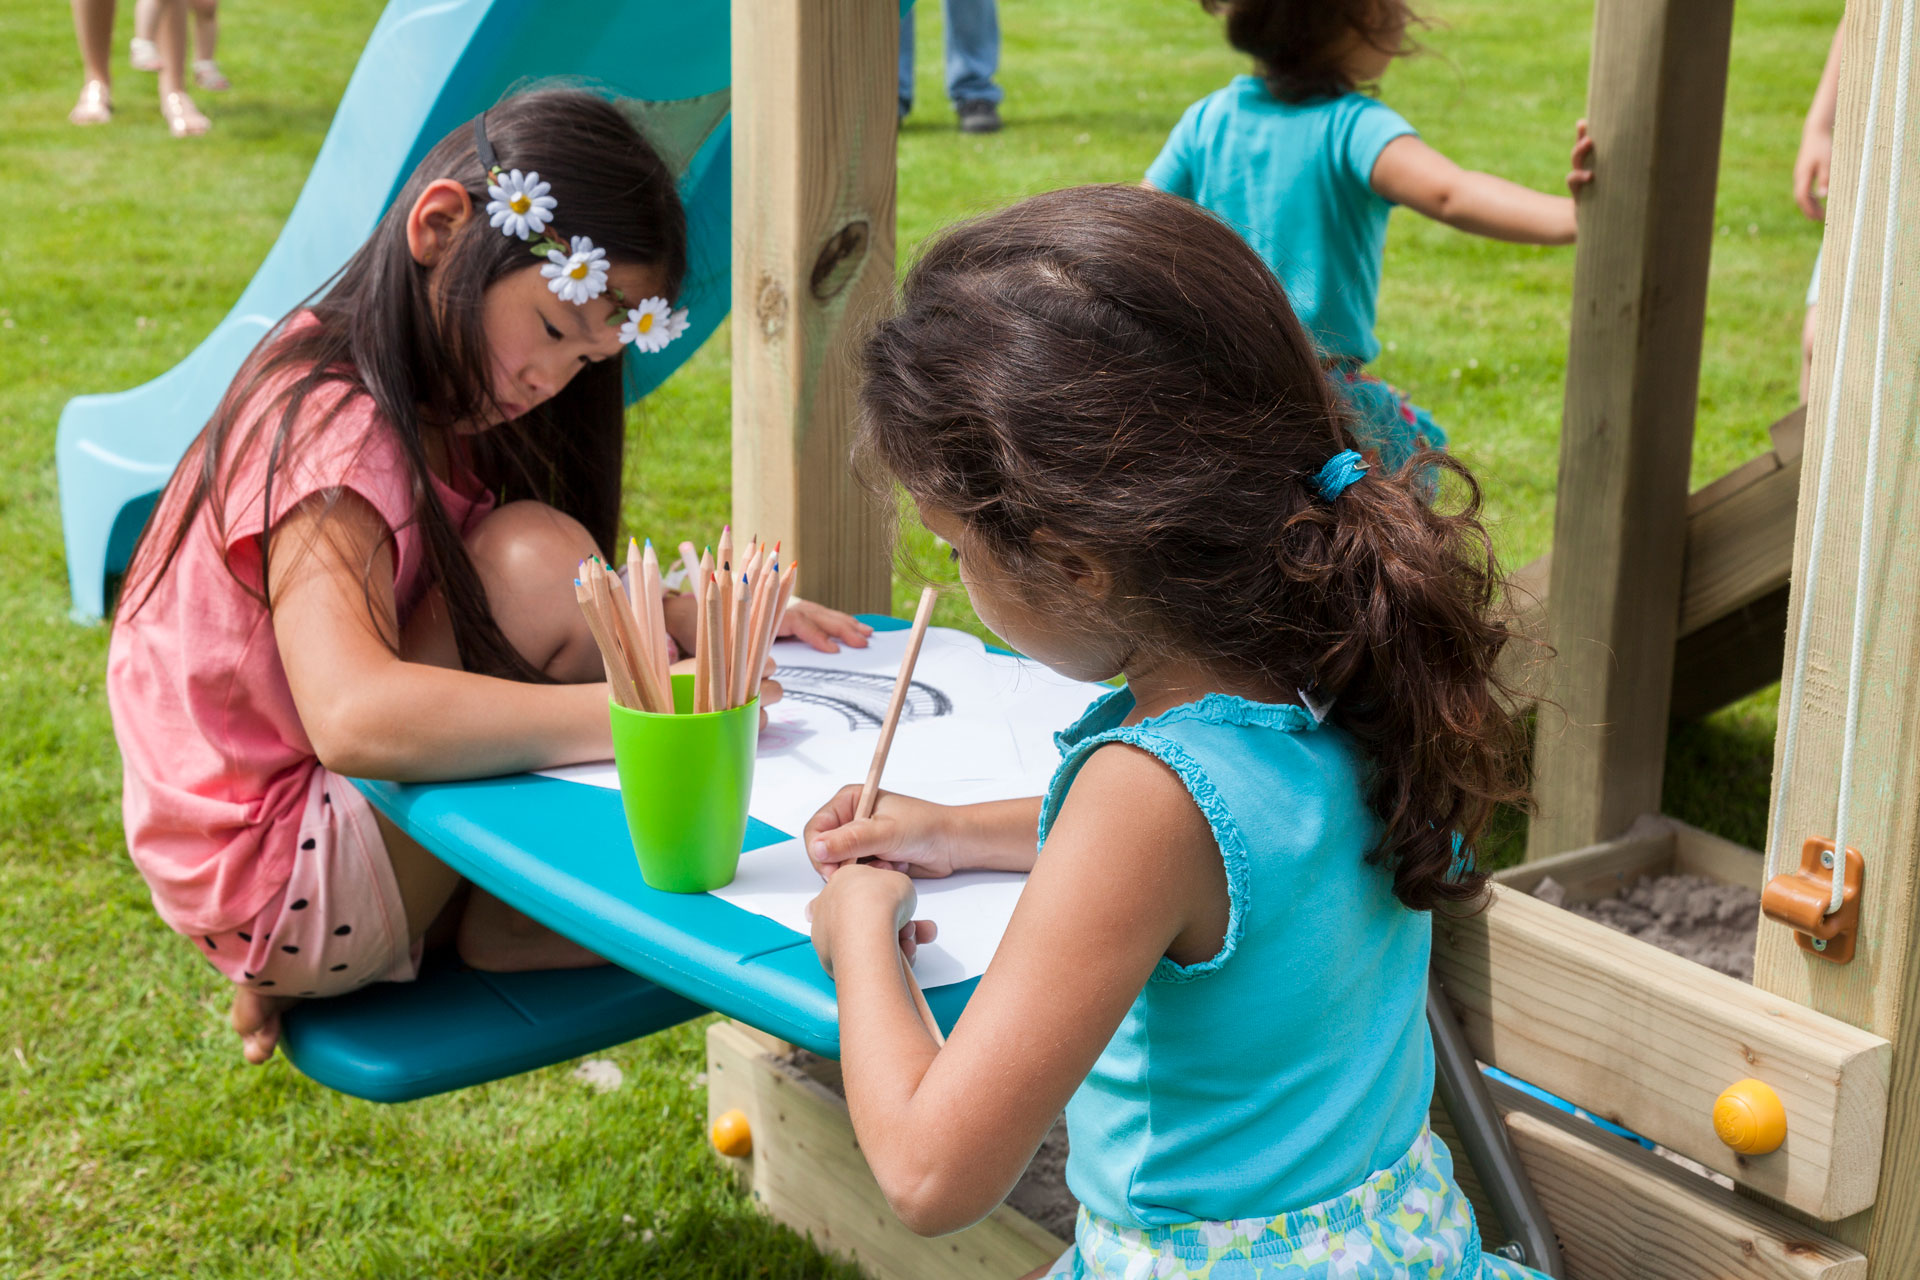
428	66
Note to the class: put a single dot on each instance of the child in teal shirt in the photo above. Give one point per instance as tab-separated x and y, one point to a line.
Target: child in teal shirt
1218	965
1307	168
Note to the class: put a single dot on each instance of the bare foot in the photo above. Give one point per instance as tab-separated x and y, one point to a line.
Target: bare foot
498	939
184	120
256	1019
95	105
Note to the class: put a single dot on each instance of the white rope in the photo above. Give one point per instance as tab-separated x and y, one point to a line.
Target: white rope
1869	496
1817	534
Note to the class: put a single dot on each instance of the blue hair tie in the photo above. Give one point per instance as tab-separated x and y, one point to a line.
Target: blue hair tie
1342	469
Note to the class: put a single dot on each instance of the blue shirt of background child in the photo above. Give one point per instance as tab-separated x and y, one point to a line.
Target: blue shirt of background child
1295	180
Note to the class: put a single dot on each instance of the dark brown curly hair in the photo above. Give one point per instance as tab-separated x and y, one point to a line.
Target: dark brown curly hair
1115	368
1296	43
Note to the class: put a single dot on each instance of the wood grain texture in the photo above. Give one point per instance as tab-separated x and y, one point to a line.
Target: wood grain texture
814	121
807	1171
1649	1040
1880	988
1623	1213
1655	101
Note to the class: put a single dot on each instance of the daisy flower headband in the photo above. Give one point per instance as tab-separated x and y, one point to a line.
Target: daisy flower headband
519	205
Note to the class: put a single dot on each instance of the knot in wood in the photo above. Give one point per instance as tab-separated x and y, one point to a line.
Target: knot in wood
771	307
839	260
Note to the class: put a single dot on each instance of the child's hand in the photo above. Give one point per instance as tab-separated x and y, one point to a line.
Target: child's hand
1810	172
1582	172
862	897
904	834
821	627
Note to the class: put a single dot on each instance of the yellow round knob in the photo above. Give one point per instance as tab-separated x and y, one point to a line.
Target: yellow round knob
732	1136
1749	1118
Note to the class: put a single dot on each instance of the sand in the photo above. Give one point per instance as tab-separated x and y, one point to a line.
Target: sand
1704	920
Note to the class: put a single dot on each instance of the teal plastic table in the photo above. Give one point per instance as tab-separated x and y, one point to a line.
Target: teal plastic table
560	852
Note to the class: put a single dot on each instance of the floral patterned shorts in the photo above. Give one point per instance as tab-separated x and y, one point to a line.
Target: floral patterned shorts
1410	1220
1385	421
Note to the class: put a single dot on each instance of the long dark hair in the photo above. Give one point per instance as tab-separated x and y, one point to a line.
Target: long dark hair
422	359
1294	42
1115	367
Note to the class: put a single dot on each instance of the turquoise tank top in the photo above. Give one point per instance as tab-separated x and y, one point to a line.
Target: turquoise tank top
1296	1062
1295	179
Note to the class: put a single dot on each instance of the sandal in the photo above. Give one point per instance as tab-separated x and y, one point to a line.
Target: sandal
184	120
95	105
206	74
144	55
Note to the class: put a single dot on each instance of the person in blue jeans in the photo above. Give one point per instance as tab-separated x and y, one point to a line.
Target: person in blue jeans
973	56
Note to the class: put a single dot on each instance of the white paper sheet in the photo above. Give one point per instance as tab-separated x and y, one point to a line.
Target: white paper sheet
978	726
971	909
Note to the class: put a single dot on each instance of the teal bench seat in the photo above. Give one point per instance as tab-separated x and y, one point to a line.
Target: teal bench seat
455	1027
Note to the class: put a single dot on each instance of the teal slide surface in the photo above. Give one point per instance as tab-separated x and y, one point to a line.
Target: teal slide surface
428	66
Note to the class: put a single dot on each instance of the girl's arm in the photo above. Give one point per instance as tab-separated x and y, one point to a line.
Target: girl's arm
1816	136
1411	173
368	713
1131	873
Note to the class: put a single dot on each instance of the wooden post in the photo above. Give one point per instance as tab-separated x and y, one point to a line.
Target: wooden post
814	103
1879	989
1656	93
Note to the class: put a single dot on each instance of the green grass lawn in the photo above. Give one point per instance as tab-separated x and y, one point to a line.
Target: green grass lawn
134	1142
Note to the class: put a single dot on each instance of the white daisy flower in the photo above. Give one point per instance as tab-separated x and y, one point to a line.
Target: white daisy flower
580	276
520	205
651	325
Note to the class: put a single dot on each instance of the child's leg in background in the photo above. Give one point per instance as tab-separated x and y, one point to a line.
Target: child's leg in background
1809	327
526	554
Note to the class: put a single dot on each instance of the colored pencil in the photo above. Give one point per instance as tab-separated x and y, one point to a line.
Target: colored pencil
655	597
870	793
703	650
737	676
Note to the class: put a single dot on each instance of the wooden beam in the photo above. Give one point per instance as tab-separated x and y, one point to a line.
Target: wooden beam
1649	1040
807	1171
1880	988
1600	870
1733	586
1623	1213
814	120
1656	94
1730	657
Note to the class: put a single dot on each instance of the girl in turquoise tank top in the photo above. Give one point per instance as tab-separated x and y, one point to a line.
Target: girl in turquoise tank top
1218	966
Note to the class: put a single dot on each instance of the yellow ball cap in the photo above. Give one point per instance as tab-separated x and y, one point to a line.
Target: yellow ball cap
1749	1117
732	1136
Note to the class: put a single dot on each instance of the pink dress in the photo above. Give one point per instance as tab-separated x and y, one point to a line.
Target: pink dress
223	791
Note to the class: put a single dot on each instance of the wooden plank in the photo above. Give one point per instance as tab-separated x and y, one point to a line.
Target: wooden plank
807	1171
1623	1213
1729	658
1649	1040
1733	588
814	120
1701	853
1657	89
1880	988
1740	548
1601	870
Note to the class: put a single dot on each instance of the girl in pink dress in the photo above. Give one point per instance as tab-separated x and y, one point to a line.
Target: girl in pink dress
363	567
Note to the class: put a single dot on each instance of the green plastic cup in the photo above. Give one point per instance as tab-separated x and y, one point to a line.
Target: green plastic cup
685	780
